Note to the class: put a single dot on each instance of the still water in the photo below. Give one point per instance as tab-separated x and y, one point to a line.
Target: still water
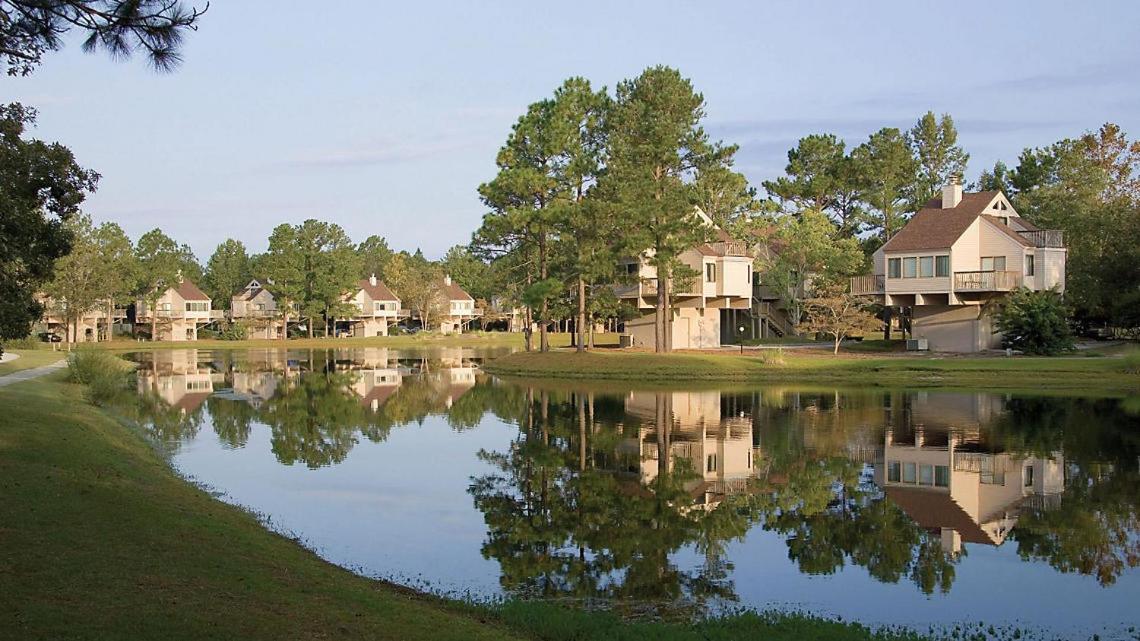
887	507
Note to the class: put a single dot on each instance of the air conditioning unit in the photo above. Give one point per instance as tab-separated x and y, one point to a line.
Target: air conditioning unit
917	345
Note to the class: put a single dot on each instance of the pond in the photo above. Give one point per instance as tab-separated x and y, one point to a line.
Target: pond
882	506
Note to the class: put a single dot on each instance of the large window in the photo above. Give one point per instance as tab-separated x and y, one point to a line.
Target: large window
910	267
196	306
941	476
894	471
894	268
710	272
926	474
941	266
909	473
993	263
926	267
1029	266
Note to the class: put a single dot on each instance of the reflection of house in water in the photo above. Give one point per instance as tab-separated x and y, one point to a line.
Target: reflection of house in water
717	447
177	377
938	469
375	386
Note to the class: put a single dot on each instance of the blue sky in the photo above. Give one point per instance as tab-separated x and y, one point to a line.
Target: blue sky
385	118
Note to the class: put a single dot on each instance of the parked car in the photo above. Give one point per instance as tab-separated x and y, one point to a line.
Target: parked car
50	337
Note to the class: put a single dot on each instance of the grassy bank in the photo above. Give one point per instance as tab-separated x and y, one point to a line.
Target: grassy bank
1102	375
101	540
30	358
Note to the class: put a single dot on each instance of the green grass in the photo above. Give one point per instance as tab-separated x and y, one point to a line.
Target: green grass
101	540
30	358
1098	375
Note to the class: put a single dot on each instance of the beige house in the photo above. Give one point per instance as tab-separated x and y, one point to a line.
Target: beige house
957	254
91	327
178	313
702	306
377	309
255	306
458	308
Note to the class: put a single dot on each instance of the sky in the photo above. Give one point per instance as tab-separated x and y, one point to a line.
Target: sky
386	117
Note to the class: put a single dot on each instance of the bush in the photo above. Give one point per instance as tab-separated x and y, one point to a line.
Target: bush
104	375
235	331
1035	323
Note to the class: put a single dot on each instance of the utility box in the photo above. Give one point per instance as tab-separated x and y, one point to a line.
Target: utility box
917	345
625	340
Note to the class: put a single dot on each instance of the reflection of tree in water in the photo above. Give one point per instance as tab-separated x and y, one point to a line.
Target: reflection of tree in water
169	425
314	418
1095	529
232	420
565	522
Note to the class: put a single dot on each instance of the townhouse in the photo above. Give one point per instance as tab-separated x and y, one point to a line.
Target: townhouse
377	309
94	325
704	307
255	306
179	312
459	308
954	258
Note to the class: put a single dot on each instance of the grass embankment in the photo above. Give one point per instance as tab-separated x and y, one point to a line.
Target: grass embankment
30	358
101	540
1098	375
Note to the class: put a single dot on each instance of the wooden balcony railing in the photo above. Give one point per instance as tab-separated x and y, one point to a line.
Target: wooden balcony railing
986	281
731	248
1052	238
870	284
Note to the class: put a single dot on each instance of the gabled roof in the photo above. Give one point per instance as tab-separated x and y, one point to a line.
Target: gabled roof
936	228
379	291
455	292
189	291
704	249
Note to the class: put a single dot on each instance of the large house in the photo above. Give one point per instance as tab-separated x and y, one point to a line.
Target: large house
94	325
957	254
377	309
178	313
459	308
255	306
704	309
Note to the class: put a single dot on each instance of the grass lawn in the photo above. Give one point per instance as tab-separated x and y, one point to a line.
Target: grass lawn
1076	374
101	540
30	358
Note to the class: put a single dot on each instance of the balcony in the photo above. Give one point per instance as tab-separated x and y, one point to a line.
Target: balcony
991	281
1045	238
731	248
870	284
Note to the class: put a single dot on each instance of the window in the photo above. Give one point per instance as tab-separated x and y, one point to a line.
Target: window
908	473
926	267
941	266
197	306
993	263
711	464
710	272
1029	266
749	459
1029	476
926	474
910	267
631	268
894	471
894	268
941	476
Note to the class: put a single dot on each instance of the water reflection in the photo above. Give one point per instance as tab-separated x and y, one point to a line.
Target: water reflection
653	500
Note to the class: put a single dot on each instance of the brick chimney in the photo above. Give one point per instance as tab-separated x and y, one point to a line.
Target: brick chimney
952	193
447	280
372	280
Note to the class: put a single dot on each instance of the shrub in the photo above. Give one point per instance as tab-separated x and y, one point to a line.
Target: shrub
1035	322
235	331
104	375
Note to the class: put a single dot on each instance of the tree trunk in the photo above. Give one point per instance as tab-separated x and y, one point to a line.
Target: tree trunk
528	331
580	322
154	323
284	325
309	322
659	321
887	323
838	339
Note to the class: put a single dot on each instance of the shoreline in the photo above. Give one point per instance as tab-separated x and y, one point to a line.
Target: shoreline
1100	376
112	543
